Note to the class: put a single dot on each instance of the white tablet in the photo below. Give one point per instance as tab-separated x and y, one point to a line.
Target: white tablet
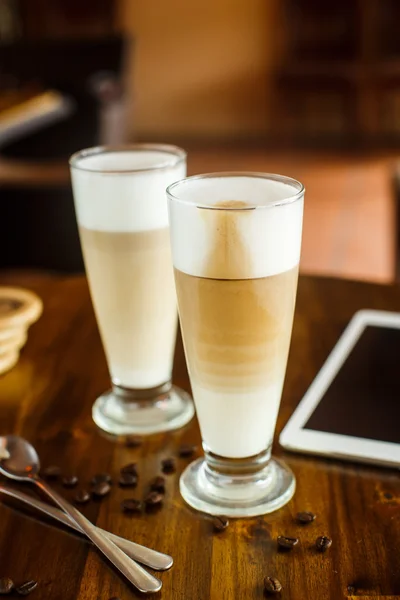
352	409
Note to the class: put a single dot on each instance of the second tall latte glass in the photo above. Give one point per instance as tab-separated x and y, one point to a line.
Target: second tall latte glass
236	241
123	225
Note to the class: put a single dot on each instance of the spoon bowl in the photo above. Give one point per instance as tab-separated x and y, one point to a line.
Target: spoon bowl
20	461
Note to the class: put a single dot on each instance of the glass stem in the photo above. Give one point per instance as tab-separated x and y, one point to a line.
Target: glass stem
140	396
219	465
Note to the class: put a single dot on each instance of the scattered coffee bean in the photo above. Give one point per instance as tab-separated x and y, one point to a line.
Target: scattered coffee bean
52	472
6	586
131	505
220	523
287	543
130	468
70	482
128	480
27	588
168	465
322	543
154	499
187	450
101	489
272	585
388	496
101	478
82	497
158	484
351	590
133	441
305	517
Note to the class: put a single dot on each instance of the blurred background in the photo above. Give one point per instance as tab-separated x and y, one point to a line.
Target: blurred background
300	87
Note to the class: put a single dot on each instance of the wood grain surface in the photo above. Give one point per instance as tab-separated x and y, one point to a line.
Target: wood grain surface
47	398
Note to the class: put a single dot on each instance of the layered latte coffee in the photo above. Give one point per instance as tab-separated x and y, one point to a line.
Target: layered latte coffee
236	254
123	225
139	335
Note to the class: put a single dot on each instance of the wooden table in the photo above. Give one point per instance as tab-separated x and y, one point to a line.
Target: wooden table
47	398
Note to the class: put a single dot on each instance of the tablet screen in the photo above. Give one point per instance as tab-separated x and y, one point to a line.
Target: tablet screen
363	399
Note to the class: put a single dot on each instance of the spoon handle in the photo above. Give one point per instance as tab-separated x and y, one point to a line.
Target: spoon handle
147	556
139	577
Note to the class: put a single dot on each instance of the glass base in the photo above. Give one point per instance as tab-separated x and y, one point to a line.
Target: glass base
121	411
238	495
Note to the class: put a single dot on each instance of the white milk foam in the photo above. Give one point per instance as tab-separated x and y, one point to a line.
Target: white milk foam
271	234
120	200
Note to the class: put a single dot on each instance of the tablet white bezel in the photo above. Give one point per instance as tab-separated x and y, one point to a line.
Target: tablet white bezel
294	437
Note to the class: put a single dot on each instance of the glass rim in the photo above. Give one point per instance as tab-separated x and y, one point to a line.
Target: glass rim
297	185
177	156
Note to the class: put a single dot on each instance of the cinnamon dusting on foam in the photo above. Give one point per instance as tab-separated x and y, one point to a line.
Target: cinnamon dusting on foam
228	257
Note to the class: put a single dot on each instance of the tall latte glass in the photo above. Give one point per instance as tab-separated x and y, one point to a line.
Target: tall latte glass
236	241
123	225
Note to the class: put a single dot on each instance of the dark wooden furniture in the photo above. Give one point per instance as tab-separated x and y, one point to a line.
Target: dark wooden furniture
70	66
38	228
47	398
67	18
339	78
39	19
396	187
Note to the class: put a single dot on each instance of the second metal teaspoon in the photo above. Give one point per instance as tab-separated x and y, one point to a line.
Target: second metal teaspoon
147	556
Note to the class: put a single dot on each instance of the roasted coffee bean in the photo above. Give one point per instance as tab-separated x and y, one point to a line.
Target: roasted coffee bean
187	450
27	588
82	497
128	480
287	543
6	586
101	489
52	472
158	484
130	468
168	465
133	441
305	517
351	590
272	585
153	499
322	543
101	478
220	523
70	482
131	505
